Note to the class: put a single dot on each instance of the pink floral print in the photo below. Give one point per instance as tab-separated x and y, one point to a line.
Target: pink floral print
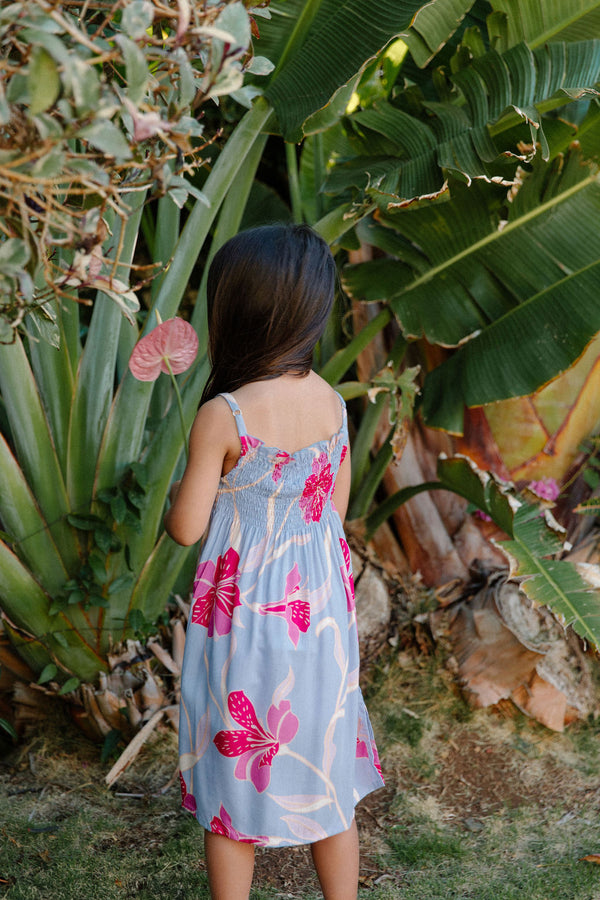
253	743
247	441
188	801
316	489
216	593
347	576
222	824
281	460
294	609
343	454
362	747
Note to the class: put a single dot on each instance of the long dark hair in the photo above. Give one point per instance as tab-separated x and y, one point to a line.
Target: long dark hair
269	293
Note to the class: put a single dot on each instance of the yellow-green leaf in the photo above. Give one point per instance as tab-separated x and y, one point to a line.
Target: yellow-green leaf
43	81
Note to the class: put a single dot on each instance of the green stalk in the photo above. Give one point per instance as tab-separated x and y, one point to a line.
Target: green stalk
294	182
340	362
180	407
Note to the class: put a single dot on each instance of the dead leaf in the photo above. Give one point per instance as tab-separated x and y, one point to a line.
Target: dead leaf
591	857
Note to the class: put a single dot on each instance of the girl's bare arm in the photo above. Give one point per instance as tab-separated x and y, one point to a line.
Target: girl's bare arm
193	497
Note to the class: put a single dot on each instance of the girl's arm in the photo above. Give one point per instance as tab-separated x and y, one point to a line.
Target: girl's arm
192	498
341	490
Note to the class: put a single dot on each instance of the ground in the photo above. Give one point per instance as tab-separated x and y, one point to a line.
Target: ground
478	804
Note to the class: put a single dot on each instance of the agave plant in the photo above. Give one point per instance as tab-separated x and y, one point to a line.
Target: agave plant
88	451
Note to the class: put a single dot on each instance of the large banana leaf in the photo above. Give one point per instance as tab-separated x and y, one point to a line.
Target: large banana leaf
330	42
433	24
404	157
457	277
539	21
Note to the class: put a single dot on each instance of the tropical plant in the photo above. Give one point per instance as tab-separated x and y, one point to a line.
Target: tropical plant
477	207
88	451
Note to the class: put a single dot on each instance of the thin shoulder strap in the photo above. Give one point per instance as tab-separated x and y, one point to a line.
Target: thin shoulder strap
237	413
343	403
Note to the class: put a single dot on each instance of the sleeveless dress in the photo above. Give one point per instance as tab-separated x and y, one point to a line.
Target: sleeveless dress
275	743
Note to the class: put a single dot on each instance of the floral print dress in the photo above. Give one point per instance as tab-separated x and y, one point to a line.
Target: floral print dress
276	747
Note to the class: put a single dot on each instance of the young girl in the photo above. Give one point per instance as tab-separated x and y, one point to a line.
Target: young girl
276	747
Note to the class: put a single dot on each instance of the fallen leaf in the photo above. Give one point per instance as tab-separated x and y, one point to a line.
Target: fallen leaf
591	857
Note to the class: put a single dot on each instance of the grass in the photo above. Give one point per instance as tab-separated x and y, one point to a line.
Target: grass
479	806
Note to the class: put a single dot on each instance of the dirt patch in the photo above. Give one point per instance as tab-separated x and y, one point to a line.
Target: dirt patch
477	779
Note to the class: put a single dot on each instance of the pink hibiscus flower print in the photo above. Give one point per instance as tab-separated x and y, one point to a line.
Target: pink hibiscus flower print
281	460
256	745
293	608
222	824
247	441
362	748
347	576
316	489
216	593
343	454
188	801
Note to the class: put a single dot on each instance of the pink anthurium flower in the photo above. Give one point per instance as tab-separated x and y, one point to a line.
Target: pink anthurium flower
171	347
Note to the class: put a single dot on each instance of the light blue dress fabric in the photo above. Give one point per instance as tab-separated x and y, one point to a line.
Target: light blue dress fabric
276	747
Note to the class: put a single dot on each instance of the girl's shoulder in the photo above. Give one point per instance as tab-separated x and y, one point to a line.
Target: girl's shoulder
215	417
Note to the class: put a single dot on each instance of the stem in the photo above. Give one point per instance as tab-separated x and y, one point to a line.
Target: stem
294	183
179	406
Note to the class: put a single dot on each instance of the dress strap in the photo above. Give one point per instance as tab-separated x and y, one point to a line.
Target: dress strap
343	403
237	413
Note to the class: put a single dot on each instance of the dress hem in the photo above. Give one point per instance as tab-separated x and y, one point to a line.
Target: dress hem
293	842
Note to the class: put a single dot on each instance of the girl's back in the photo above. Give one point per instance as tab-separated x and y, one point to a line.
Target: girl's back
290	412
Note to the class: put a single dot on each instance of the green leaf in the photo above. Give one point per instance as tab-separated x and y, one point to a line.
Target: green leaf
30	535
106	137
234	20
34	446
340	362
569	589
43	81
61	639
6	726
95	383
137	18
540	21
83	523
14	254
97	564
48	673
432	26
330	42
405	156
120	583
136	68
70	685
118	508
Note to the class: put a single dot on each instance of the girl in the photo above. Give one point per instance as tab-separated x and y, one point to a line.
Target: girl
276	747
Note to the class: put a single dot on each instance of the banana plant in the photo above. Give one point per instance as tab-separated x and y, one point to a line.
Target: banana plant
88	452
479	208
